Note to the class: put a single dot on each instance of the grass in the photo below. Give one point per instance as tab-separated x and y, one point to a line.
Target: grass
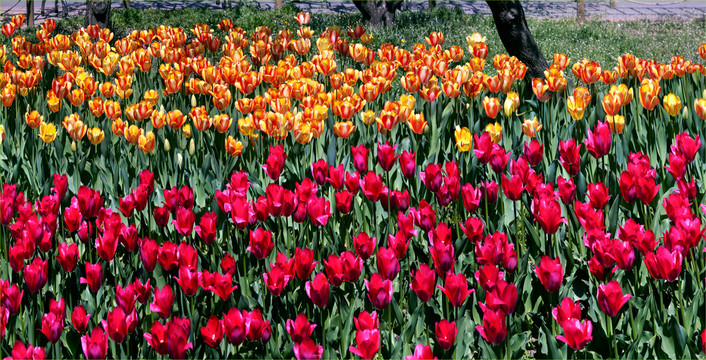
600	40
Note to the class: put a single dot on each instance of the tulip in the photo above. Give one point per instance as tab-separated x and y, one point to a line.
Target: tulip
89	202
512	187
275	162
421	352
188	280
368	342
276	280
364	245
359	155
260	243
52	327
212	333
47	132
386	156
494	329
79	319
567	190
471	197
235	326
36	275
502	297
95	346
11	297
318	211
686	146
456	288
307	349
649	92
300	328
388	264
68	256
423	281
598	141
547	213
464	140
569	156
304	263
599	195
577	333
318	290
168	256
163	300
491	107
116	325
550	273
258	328
379	291
616	123
319	171
672	104
445	333
610	298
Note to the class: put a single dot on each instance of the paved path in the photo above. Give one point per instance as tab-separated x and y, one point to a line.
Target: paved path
624	9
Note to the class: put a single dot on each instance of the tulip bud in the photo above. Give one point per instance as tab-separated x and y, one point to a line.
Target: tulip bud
179	159
161	109
73	146
192	147
703	94
193	101
685	112
167	147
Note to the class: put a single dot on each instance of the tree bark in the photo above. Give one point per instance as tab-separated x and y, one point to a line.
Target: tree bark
580	11
30	13
97	13
432	4
278	4
378	13
126	4
516	37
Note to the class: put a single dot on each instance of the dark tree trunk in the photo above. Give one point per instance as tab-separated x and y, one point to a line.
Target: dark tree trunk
432	4
30	13
98	13
126	4
378	13
516	37
278	4
580	11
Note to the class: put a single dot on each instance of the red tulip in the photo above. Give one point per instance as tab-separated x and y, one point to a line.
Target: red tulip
569	156
148	253
20	351
482	147
187	256
498	159
36	274
372	186
95	346
490	191
258	328
352	182
533	151
318	290
336	176
116	325
127	205
68	256
388	265
547	212
184	221
157	338
421	352
72	218
188	280
567	309
319	211
494	329
163	300
502	297
686	146
689	189
703	340
89	202
425	217
432	177
456	288
16	256
168	256
212	333
599	195
364	245
359	155
275	161
598	141
10	296
386	155
300	328
512	187
577	333
445	333
128	237
379	291
367	321
276	280
319	171
125	298
368	342
471	197
668	263
423	282
408	164
52	327
473	229
61	184
147	178
610	298
207	227
442	256
550	273
628	186
344	201
304	263
567	190
646	190
623	254
235	326
79	319
677	165
161	216
307	349
261	243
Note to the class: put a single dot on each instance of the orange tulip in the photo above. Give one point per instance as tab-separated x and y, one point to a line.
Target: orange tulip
491	107
303	18
560	61
611	103
417	123
623	92
540	89
530	127
233	147
429	93
133	133
616	123
77	129
119	127
343	129
175	119
222	122
33	119
451	89
145	142
700	108
512	102
649	92
95	135
107	89
386	121
608	77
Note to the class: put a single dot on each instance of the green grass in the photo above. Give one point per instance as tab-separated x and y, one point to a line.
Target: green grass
600	40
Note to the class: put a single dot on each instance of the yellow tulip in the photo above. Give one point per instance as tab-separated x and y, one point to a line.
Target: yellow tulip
530	127
672	104
95	135
616	123
47	132
495	131
464	139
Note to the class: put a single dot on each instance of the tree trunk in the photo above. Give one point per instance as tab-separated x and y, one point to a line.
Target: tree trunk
432	4
278	4
378	13
30	13
516	37
97	13
126	4
580	11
